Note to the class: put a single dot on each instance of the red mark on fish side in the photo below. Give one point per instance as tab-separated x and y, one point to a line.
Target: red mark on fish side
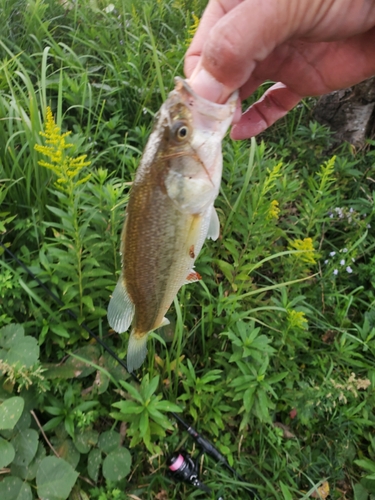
193	276
191	252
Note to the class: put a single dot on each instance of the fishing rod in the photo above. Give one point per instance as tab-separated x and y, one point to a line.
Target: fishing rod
181	465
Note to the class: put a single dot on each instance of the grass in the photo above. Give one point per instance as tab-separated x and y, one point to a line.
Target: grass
271	356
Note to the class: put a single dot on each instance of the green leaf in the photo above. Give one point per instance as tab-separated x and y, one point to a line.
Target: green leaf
69	425
54	410
285	491
25	419
87	300
102	381
369	484
10	412
29	472
90	353
167	406
60	330
109	441
93	463
160	419
11	335
54	422
360	493
236	356
85	440
24	353
132	391
366	464
112	366
25	445
116	465
13	488
149	389
66	450
86	405
261	406
143	424
248	398
276	378
211	376
129	407
55	478
7	453
60	213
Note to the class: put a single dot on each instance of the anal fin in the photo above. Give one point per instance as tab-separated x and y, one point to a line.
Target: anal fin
120	308
165	321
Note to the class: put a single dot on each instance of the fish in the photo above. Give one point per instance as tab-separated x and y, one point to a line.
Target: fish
170	213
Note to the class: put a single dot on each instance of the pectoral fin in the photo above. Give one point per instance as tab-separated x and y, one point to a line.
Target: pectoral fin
214	226
120	308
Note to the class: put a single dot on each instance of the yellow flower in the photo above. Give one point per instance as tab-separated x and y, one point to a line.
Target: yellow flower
193	28
178	4
274	210
305	246
64	166
297	319
270	180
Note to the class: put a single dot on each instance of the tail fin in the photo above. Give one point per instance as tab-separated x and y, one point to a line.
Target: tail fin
137	350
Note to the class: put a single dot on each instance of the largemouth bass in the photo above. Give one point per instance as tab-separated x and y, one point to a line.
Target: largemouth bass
170	213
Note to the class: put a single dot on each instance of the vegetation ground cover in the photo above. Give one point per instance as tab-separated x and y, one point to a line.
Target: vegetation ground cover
271	356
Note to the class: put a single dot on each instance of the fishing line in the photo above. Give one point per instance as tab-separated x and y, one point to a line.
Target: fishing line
185	462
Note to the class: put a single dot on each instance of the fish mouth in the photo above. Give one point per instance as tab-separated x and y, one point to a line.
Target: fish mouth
206	107
206	115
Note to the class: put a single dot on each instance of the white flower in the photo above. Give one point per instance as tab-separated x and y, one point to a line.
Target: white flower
342	262
368	226
349	269
331	254
110	8
326	261
335	272
353	260
344	250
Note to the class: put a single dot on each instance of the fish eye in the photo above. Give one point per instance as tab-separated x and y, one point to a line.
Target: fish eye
180	131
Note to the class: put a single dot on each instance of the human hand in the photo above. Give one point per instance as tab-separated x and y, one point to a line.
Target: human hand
311	47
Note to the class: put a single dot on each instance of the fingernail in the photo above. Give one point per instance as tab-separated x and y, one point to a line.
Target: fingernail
205	85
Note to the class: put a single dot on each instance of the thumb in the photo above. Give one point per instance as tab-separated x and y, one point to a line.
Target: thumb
234	36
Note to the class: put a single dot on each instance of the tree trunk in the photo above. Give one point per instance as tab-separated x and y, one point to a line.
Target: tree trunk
350	113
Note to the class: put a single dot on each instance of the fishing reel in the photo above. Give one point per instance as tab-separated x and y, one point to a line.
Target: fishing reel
183	468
